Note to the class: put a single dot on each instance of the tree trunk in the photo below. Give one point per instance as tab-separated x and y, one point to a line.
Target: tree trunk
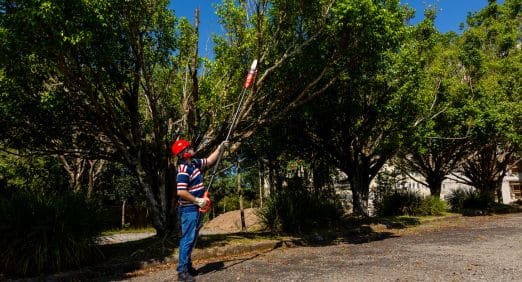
261	183
498	189
360	183
490	187
500	179
435	184
240	192
74	168
500	199
95	169
361	169
320	175
123	213
360	199
272	177
486	169
159	203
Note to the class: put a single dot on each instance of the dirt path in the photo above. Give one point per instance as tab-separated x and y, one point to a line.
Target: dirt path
229	222
466	249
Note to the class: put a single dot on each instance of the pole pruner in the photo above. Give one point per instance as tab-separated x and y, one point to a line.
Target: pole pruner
248	82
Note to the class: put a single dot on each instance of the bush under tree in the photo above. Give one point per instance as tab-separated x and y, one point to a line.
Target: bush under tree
45	233
474	202
294	209
399	202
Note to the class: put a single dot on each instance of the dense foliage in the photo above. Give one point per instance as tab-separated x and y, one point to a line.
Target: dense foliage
392	198
405	202
475	202
48	232
296	210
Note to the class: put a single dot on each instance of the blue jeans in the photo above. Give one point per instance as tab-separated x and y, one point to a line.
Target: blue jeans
190	219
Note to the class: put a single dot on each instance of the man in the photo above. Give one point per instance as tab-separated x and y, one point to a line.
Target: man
190	190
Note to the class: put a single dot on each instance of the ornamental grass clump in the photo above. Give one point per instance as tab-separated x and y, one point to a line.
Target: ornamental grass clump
405	202
474	202
295	210
45	233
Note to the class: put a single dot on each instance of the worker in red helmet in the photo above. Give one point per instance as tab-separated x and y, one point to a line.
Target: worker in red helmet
190	190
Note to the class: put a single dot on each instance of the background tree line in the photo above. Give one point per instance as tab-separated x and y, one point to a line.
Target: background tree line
94	92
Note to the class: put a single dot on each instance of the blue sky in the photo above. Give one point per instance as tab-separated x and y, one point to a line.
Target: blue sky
450	14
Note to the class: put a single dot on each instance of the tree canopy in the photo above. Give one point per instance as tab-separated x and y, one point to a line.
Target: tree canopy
345	84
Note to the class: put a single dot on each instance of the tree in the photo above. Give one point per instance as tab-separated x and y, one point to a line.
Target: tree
117	185
491	54
38	174
286	37
357	122
336	54
118	80
441	132
101	74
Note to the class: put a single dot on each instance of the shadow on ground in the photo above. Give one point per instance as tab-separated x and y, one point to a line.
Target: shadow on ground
355	230
121	259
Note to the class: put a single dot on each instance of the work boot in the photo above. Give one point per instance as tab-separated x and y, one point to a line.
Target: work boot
185	277
192	271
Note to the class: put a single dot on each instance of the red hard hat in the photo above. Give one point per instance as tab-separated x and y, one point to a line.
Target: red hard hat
179	146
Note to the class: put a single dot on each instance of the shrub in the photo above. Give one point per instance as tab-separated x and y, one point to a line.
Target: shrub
296	210
269	214
405	202
398	203
471	202
47	233
456	199
431	206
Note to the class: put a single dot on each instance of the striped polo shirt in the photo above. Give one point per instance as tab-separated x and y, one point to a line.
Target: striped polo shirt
190	178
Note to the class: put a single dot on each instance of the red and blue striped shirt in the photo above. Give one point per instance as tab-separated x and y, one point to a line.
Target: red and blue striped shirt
190	178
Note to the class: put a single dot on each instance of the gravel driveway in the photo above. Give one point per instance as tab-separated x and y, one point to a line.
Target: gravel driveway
472	249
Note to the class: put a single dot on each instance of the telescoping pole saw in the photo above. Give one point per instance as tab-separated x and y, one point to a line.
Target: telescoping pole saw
248	81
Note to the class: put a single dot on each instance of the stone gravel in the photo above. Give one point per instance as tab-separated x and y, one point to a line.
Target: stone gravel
472	249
